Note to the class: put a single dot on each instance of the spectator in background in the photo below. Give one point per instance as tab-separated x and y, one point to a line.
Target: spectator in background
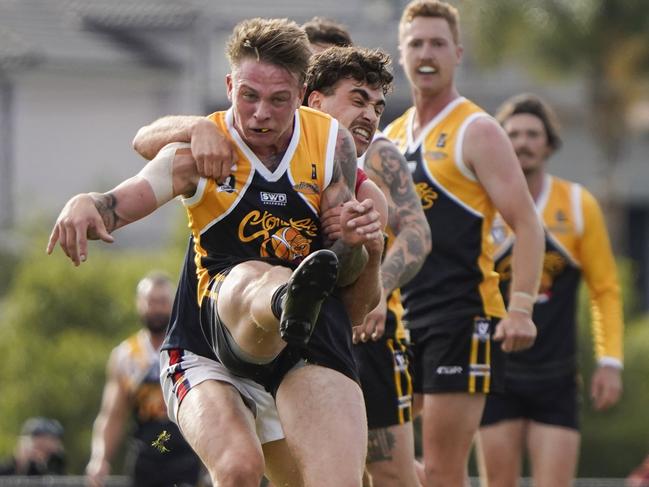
39	450
157	455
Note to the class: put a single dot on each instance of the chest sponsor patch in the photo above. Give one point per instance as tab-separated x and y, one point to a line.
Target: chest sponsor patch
278	199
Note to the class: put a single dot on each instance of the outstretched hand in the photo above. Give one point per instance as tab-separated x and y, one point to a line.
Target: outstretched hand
78	222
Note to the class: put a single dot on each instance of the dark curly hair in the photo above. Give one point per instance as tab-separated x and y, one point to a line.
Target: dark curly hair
371	66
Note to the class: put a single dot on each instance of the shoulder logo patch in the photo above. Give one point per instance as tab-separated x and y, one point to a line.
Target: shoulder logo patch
306	188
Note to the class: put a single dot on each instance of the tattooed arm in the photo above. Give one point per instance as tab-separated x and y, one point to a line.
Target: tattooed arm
387	167
95	216
359	221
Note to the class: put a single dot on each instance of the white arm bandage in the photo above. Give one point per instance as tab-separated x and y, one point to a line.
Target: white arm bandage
159	172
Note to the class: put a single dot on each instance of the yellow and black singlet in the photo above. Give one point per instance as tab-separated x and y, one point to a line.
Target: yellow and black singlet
254	214
457	279
138	371
259	213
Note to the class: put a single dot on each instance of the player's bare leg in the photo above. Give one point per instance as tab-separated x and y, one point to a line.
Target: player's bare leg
554	451
221	430
281	467
390	456
500	448
246	298
450	421
323	416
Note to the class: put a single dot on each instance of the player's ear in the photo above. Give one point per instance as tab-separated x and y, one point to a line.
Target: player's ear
315	99
229	85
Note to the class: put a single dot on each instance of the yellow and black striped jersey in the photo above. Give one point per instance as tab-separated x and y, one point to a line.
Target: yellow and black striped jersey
255	213
259	213
457	278
577	245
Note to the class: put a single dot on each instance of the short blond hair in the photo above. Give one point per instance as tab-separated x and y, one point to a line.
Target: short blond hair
432	8
275	41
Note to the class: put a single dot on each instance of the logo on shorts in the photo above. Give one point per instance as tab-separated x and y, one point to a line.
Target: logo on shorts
481	329
449	370
400	361
278	199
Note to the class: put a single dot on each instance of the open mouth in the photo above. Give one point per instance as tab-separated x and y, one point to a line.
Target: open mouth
261	131
426	70
362	133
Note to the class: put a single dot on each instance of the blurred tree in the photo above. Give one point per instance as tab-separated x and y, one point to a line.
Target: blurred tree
605	41
605	435
58	326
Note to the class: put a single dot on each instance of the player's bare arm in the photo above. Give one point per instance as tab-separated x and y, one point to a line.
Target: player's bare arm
387	167
109	425
488	153
212	151
96	215
366	294
359	221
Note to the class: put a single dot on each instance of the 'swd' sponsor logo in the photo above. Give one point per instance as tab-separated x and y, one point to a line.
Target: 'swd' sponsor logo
273	198
449	370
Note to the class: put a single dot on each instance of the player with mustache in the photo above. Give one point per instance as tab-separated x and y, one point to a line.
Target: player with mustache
538	412
465	170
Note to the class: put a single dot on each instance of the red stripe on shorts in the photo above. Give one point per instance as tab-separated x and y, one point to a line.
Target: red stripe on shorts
178	378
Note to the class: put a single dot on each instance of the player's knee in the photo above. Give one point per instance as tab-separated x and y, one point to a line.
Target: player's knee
239	470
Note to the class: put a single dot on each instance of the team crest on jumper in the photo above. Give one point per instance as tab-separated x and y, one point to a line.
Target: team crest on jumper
553	264
288	240
286	244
